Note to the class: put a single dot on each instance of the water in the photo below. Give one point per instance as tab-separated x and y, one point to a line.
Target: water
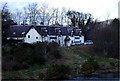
100	77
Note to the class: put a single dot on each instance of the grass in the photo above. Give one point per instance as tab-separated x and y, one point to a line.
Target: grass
72	56
32	73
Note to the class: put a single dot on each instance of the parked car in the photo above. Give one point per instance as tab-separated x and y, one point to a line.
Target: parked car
78	43
87	42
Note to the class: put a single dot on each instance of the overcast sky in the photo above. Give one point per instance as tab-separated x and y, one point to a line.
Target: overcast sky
98	8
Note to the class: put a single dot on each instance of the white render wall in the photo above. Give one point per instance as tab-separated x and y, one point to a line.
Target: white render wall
33	34
82	39
59	39
50	40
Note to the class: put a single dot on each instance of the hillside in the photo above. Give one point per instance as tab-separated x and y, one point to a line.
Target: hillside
73	57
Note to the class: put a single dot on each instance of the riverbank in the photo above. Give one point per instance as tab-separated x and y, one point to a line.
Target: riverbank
72	57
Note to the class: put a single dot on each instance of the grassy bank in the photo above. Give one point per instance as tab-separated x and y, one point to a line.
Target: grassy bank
74	57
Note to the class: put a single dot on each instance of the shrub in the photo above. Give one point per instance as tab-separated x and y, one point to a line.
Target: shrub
21	56
114	63
89	67
54	50
58	72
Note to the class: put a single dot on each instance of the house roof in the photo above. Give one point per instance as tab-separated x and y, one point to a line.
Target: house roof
22	30
17	30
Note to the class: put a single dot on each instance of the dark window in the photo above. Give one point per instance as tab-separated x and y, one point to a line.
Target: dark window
77	38
28	36
36	37
59	41
53	37
72	41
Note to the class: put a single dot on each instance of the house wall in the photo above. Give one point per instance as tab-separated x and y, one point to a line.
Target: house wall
77	40
82	39
33	34
49	38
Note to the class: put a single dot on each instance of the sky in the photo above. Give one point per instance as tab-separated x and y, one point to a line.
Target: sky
100	9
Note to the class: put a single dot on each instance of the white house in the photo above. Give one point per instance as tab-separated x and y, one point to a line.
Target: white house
65	36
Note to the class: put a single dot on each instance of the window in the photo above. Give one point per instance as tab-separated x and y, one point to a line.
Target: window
57	30
23	32
14	33
28	36
53	37
77	38
72	41
59	41
36	37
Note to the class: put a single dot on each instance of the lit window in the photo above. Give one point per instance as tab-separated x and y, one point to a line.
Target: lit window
14	33
28	36
23	32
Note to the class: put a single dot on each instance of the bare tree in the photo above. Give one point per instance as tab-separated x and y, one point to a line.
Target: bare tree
63	16
46	14
50	15
33	12
42	12
25	15
17	16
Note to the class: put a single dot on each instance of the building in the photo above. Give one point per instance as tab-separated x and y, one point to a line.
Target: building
65	36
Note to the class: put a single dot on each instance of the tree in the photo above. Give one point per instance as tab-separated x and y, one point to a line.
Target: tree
17	16
82	20
63	16
72	16
47	14
25	15
6	22
106	39
33	13
6	18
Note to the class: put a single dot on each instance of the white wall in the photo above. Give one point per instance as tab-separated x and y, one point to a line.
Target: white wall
82	39
33	34
50	40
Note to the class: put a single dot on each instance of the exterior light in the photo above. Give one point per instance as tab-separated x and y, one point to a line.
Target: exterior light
46	30
59	31
14	33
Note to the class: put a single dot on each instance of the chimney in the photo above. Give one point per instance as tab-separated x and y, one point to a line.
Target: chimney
34	23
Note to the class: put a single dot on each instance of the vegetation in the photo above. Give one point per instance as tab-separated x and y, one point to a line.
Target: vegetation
49	60
58	72
105	39
89	67
73	58
26	55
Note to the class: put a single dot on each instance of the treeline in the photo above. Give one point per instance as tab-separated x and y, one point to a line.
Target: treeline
45	15
106	38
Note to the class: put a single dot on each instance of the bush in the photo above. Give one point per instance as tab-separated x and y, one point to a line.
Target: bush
21	56
54	50
89	67
114	63
58	72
